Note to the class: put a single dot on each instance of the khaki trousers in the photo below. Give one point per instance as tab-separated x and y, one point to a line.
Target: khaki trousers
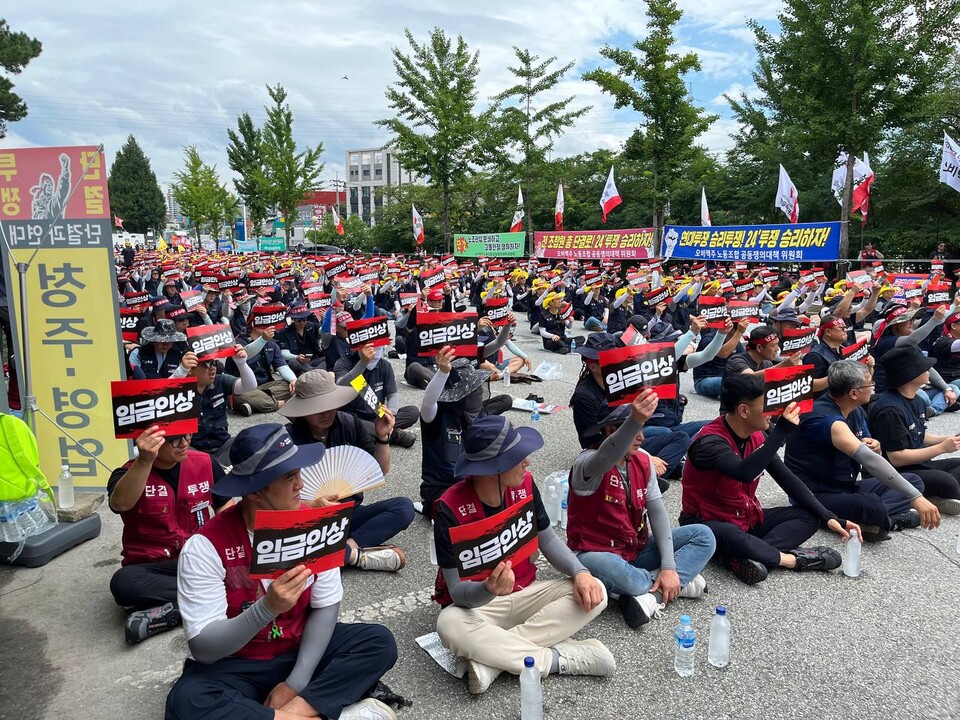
510	627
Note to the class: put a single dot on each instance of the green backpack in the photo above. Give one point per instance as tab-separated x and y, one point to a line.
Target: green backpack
20	473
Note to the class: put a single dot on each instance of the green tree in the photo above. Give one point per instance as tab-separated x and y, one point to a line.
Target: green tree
437	130
840	75
531	124
134	193
246	158
199	191
288	174
17	49
651	82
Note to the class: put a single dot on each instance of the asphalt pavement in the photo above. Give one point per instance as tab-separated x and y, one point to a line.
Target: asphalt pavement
804	645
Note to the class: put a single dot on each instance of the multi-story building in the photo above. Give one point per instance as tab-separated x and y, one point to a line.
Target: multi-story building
174	214
369	173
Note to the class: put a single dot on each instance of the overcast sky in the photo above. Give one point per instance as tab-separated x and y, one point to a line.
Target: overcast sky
175	73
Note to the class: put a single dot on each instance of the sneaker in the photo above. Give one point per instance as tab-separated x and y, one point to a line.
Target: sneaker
403	438
905	521
638	609
816	558
585	657
750	572
695	588
393	355
244	409
388	558
480	677
873	533
947	506
146	623
368	709
929	412
418	507
953	408
663	484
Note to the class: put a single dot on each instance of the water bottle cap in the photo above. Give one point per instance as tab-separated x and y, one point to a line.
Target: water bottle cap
685	620
564	504
721	610
528	661
65	468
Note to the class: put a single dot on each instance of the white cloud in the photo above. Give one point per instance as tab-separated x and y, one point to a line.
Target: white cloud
734	91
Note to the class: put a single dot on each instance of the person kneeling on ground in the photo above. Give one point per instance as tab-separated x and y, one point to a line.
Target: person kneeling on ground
613	493
263	649
163	497
720	480
496	623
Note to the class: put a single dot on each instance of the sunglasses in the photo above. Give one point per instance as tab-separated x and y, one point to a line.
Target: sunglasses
180	440
207	363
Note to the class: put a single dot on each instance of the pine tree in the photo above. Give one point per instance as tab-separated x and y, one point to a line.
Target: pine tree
135	195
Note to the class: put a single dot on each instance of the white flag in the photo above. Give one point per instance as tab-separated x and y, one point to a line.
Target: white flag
950	164
861	173
704	210
517	224
417	226
611	196
558	210
788	199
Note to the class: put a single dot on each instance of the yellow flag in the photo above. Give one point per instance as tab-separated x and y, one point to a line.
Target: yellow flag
161	245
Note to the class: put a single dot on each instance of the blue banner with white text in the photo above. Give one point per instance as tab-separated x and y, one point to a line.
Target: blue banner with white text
802	242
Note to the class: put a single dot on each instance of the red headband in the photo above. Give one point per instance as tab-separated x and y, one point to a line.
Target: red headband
836	322
954	318
764	340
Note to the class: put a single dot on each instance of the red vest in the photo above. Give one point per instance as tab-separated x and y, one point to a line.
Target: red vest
711	495
610	520
159	524
227	532
463	501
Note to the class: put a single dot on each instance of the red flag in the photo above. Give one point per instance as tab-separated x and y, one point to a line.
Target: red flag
861	189
118	221
337	222
611	196
417	226
558	210
517	224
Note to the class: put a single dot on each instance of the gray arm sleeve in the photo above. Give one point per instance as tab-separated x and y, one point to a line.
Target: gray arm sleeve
708	353
402	321
662	532
225	637
286	373
877	466
466	593
253	349
545	333
558	554
917	335
313	644
590	467
682	343
501	340
936	379
428	406
352	374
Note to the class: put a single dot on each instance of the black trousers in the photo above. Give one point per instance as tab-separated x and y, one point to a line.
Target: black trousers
419	375
145	585
670	447
234	688
782	529
941	478
299	368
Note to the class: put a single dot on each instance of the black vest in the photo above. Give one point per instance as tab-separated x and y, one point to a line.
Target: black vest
151	365
212	430
818	463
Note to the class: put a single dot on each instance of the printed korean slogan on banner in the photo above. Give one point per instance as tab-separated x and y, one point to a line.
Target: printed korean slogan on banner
480	546
489	245
635	244
313	537
53	201
807	242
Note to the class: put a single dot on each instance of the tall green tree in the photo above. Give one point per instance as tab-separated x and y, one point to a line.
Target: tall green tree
530	124
17	49
246	157
839	75
438	131
199	192
288	174
651	82
134	193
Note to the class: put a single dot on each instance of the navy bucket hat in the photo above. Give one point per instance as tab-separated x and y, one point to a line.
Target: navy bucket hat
259	455
491	445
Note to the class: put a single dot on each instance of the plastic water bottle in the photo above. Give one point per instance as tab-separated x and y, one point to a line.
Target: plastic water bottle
573	344
65	488
506	378
718	652
685	647
9	532
531	692
552	505
535	415
41	521
851	556
563	514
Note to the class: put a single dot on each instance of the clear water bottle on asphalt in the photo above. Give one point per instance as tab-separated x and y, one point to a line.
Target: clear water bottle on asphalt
718	652
535	415
506	378
552	506
563	514
685	647
531	692
573	345
851	555
65	488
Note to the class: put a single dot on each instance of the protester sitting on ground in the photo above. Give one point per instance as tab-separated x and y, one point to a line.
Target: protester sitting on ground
378	374
300	342
495	623
762	352
316	416
420	368
833	446
158	355
163	497
720	479
946	350
262	649
833	335
618	524
264	357
898	422
553	328
708	375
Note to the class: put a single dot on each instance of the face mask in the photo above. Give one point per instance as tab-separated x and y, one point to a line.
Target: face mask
473	405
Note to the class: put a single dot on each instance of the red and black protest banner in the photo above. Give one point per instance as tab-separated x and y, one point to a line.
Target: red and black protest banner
256	281
937	296
192	299
742	286
510	535
861	278
497	310
348	283
369	274
634	279
858	351
914	290
314	537
797	340
631	336
335	267
371	330
743	309
785	385
566	311
496	272
269	316
459	330
211	342
447	259
209	278
655	297
713	309
228	282
627	371
136	298
171	403
318	301
129	322
409	300
433	278
170	270
936	267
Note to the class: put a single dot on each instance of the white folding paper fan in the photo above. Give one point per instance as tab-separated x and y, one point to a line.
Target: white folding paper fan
343	471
